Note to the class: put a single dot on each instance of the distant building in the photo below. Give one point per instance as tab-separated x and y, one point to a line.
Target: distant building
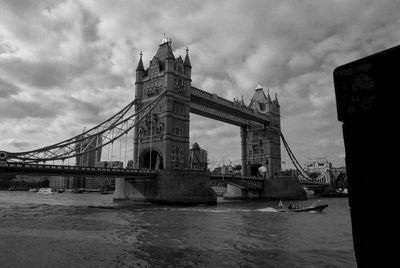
227	169
62	182
317	164
198	158
91	158
340	178
97	183
110	164
129	164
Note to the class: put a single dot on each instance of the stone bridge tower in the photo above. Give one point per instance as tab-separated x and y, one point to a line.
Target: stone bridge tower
263	143
161	141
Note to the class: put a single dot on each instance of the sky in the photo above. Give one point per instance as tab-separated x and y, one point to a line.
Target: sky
67	65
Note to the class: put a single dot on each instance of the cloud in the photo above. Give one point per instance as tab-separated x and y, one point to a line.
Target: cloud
72	63
15	108
18	144
7	89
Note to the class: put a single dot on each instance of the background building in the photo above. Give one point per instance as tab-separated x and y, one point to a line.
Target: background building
98	183
317	165
91	158
198	157
62	182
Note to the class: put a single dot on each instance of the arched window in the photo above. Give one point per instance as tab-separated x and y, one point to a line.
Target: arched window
173	152
181	152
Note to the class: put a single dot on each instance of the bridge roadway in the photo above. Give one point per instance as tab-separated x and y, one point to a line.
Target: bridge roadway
255	183
62	170
313	185
215	107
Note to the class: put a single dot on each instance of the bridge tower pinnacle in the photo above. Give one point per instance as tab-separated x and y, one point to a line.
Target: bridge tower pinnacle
263	147
162	139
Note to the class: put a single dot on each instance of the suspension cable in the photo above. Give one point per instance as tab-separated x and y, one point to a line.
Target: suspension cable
296	163
68	149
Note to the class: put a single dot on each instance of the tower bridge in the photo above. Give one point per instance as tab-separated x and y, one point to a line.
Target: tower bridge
156	123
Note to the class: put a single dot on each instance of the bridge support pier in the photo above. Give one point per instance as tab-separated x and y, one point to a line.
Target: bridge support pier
119	192
243	132
235	192
284	188
185	187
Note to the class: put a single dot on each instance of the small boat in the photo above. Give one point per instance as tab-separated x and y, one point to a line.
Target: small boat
45	191
34	190
313	208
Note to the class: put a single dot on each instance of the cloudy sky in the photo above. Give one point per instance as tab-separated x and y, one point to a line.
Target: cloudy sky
66	65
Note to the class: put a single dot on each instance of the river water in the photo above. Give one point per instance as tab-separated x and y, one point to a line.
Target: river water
88	230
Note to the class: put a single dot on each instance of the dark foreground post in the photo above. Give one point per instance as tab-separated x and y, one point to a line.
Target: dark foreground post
366	105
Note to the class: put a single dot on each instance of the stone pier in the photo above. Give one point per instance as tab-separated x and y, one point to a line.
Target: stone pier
285	188
235	192
182	187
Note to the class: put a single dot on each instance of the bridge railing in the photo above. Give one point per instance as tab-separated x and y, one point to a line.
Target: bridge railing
21	166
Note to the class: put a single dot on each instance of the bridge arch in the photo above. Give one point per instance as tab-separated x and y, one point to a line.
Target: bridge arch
151	159
254	170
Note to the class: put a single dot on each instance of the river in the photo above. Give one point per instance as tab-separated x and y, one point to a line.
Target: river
88	230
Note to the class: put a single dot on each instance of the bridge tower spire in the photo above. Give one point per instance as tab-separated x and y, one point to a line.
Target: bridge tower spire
187	60
167	129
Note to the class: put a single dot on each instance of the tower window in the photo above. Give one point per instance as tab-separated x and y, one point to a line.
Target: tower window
255	135
173	152
181	152
256	149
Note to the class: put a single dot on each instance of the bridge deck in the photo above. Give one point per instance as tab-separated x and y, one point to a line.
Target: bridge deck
250	182
62	170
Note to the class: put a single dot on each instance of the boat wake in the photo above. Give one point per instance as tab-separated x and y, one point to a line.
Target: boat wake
227	210
267	209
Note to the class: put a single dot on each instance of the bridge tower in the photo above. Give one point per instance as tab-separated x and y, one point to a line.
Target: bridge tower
261	144
161	141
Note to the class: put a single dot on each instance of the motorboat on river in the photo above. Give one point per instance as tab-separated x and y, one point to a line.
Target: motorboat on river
312	208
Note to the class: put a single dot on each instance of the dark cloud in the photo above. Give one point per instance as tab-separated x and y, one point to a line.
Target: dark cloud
19	109
21	145
87	112
38	74
7	89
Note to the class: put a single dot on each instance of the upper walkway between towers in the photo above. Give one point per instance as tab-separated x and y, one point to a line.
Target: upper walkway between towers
212	106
